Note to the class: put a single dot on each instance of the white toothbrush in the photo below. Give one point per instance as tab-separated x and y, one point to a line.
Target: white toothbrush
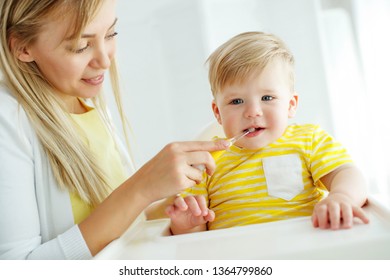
232	140
239	136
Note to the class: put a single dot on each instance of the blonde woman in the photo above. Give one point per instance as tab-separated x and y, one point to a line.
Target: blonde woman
67	188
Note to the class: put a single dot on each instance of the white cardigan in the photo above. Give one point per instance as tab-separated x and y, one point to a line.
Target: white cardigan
36	219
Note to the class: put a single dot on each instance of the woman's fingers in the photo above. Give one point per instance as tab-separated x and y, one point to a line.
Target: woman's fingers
173	169
196	153
208	146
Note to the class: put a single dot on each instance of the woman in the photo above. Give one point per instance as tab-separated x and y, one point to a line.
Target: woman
65	190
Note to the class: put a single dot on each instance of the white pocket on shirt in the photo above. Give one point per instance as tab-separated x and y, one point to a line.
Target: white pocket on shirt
283	175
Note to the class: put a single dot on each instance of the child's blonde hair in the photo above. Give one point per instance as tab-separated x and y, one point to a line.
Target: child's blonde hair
21	22
244	55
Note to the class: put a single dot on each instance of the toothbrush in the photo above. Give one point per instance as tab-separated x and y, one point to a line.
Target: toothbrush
239	136
232	140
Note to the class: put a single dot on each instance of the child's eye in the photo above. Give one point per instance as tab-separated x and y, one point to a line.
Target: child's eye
267	98
236	101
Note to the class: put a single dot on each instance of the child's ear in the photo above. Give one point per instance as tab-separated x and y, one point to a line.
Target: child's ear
21	52
216	112
292	109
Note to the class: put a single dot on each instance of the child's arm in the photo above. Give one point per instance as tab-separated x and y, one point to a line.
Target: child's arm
157	209
189	214
347	194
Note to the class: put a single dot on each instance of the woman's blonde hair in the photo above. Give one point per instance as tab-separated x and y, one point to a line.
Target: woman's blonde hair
244	55
73	165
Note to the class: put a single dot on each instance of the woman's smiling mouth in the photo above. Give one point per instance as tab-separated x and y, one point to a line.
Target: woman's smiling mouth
94	81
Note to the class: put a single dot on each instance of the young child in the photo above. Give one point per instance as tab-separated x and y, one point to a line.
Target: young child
277	171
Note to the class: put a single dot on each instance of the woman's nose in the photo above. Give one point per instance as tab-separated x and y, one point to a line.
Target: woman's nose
102	58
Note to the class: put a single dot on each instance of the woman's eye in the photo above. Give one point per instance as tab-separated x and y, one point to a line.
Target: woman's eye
267	98
81	49
236	101
112	35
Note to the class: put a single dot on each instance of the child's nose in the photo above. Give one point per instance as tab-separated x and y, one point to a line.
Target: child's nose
253	110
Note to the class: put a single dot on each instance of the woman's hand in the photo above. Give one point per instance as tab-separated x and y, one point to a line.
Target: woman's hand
189	214
173	169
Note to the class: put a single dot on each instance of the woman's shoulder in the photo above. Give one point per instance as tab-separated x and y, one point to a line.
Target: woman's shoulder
8	102
12	114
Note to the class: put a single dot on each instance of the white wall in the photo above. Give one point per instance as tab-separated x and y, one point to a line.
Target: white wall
162	47
160	54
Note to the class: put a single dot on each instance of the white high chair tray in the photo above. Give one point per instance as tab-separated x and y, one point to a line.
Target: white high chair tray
290	239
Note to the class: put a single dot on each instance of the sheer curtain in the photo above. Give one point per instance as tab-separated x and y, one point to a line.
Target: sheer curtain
372	29
357	54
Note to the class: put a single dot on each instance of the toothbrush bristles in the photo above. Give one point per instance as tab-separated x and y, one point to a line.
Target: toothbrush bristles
237	137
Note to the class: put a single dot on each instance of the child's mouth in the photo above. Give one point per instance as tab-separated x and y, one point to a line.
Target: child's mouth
253	131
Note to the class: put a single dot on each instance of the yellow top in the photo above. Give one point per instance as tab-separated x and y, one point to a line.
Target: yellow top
103	146
277	182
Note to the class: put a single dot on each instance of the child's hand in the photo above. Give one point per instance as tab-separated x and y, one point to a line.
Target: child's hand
337	212
189	214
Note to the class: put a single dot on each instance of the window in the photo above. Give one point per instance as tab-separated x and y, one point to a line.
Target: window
357	58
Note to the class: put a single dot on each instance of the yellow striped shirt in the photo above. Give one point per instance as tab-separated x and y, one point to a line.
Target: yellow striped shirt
277	182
